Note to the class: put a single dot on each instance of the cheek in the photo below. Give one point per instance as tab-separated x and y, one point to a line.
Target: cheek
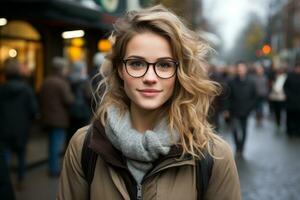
129	83
170	87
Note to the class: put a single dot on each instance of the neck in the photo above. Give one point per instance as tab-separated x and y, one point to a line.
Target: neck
143	120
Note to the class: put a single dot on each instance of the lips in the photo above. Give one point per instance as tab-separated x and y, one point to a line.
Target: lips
149	92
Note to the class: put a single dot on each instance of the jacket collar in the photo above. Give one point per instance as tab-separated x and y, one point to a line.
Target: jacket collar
102	146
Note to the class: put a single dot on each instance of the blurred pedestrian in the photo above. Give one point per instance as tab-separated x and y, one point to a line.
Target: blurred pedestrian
80	110
228	75
277	96
151	126
56	98
18	108
241	100
217	106
271	75
292	91
261	83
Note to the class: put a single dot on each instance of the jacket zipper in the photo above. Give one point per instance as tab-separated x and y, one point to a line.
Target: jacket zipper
139	192
150	173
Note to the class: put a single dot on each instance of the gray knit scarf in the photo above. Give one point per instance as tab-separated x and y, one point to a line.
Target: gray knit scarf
140	149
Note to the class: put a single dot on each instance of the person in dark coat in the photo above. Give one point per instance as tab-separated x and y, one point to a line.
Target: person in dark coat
292	92
18	108
56	98
261	83
80	110
241	100
217	106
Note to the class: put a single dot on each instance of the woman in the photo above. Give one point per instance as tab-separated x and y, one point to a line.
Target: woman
277	97
151	125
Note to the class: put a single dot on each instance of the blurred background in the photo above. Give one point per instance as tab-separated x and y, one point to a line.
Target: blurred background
262	36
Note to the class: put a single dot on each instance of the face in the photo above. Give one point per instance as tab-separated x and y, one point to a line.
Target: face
148	92
259	70
241	70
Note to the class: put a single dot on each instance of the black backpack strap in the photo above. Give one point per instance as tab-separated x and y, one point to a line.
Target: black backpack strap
203	173
88	157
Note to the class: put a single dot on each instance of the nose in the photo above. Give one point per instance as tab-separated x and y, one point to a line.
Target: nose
150	76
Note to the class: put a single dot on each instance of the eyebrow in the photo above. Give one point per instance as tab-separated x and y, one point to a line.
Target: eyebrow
140	57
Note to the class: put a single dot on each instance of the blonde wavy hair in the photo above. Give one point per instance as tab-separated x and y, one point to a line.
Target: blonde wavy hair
188	107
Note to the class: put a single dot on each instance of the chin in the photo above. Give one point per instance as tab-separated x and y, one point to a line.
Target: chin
149	107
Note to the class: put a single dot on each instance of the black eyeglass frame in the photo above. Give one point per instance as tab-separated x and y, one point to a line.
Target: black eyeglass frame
148	64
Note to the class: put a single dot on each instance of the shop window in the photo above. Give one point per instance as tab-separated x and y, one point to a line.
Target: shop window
21	40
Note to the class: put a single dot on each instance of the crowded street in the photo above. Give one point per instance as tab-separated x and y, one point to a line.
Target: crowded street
149	99
268	170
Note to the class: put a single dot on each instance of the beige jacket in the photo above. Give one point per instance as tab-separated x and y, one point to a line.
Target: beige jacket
171	178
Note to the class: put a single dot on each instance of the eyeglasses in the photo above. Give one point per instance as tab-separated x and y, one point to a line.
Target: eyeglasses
164	68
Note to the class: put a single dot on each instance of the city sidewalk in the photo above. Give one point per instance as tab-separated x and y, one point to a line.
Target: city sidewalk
37	185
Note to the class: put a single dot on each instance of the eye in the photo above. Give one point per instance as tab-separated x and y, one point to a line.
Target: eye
136	63
165	64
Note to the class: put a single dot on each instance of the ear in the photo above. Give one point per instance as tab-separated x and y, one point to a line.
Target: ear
120	71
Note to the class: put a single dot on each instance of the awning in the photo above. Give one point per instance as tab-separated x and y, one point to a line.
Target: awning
57	12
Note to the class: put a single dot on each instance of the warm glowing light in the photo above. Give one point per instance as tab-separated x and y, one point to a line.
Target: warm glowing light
266	49
73	34
78	42
75	53
12	53
104	45
3	21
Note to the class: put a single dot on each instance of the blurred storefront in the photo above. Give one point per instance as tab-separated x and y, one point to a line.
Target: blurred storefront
284	27
36	31
20	39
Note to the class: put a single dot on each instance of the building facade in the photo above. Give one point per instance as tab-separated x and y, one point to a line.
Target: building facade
284	33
